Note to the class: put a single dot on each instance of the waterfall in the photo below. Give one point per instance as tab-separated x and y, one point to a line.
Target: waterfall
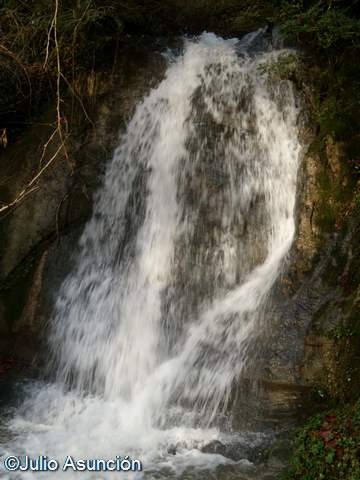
189	232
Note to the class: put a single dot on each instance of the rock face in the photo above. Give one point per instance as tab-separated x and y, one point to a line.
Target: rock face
308	349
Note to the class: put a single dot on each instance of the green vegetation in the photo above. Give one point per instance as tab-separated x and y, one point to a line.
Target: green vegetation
326	24
39	37
327	73
328	447
329	34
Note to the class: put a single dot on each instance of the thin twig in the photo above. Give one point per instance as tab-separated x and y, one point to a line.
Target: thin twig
60	120
18	199
58	217
76	95
25	192
21	65
45	146
48	44
58	78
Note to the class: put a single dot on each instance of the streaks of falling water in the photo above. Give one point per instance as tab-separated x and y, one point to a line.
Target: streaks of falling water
188	235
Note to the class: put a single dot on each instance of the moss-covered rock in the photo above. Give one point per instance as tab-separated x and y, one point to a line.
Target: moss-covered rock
328	447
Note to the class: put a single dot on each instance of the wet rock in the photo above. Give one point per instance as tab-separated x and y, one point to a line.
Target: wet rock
172	450
299	363
237	451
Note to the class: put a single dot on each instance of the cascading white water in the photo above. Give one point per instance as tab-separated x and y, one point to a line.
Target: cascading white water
188	235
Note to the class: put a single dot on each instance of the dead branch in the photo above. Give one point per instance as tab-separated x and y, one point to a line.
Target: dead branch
58	79
31	187
77	96
58	210
45	146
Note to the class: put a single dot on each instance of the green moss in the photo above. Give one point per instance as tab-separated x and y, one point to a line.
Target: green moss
336	189
328	447
326	207
284	68
348	347
328	33
252	15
